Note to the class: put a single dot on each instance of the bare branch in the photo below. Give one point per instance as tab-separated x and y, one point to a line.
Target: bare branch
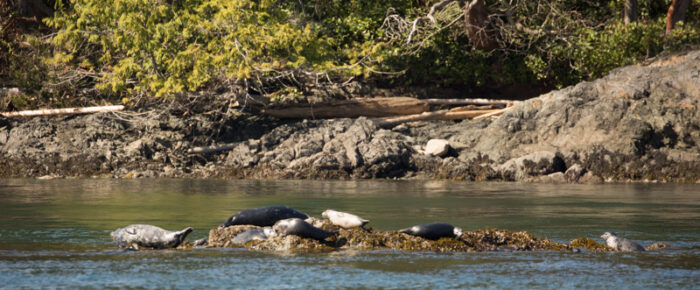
427	17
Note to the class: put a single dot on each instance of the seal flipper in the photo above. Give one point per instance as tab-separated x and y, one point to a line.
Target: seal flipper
181	235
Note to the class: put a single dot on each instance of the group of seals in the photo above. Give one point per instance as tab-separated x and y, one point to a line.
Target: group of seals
282	220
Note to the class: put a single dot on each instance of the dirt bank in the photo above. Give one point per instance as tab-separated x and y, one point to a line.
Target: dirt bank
638	123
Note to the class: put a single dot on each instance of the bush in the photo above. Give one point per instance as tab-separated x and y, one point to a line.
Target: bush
274	48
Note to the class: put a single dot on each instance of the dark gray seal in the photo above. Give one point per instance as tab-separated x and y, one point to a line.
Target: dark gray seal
620	244
148	236
433	231
263	216
298	227
253	235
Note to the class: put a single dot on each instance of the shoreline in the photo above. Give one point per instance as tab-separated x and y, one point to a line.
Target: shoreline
640	123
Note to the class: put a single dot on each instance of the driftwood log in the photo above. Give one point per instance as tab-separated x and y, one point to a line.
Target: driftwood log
453	114
456	102
65	111
369	107
210	149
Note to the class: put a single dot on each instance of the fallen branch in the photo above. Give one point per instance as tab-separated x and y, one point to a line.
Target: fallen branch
65	111
467	102
371	107
432	116
209	149
494	113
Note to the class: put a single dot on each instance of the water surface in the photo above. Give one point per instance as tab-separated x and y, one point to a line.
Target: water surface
55	233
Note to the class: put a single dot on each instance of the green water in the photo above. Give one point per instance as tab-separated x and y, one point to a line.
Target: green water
55	233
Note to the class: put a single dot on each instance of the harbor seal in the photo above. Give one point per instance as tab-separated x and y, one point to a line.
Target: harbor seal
263	216
620	244
148	236
343	219
253	235
433	231
298	227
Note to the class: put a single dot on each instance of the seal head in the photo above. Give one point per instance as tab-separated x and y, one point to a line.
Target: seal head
434	231
263	216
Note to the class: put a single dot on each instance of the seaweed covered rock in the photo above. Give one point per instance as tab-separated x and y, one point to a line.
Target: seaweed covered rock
371	239
591	245
499	239
222	236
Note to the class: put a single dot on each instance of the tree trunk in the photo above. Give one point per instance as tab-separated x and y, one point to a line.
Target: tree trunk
479	30
631	8
676	12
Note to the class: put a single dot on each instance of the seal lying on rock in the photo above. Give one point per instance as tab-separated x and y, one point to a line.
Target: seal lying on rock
253	235
433	231
343	219
620	244
149	236
298	227
263	216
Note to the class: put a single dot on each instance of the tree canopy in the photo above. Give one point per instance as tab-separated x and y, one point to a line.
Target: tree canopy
164	48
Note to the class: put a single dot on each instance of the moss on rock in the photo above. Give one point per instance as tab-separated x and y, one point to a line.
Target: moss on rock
590	245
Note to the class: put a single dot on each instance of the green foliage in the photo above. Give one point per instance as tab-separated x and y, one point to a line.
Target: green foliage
161	48
277	48
563	42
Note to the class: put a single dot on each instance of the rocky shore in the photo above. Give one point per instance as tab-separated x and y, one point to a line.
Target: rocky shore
639	123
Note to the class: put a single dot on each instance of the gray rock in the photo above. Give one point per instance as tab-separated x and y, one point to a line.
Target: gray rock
574	173
554	178
533	164
590	178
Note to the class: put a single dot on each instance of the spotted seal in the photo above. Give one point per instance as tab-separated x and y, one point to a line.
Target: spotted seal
263	216
433	231
620	244
299	227
343	219
148	236
253	235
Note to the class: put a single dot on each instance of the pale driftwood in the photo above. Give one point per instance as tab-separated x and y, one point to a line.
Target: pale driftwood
65	111
210	149
467	102
370	107
432	116
494	113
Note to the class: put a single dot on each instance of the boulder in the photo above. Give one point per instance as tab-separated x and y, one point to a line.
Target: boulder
437	147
